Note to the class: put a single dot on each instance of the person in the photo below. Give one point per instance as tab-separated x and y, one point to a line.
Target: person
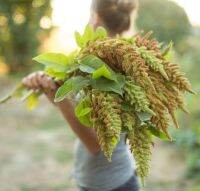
92	171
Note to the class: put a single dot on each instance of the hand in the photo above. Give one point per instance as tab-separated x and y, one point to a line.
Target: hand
41	81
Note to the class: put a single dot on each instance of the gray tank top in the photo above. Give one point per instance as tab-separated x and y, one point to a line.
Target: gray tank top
95	173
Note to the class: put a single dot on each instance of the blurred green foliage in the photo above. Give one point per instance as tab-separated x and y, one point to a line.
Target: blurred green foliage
167	20
190	57
194	188
23	24
188	137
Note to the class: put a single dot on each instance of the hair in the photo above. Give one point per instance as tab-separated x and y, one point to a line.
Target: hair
115	14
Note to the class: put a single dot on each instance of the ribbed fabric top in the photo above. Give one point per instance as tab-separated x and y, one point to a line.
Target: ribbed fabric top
97	174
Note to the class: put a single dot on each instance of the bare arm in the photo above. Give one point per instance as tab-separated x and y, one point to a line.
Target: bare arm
41	81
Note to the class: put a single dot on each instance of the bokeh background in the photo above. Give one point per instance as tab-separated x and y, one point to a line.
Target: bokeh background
36	147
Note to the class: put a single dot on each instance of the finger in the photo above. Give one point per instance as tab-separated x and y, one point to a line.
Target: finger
44	82
33	81
24	81
48	83
39	78
28	82
40	74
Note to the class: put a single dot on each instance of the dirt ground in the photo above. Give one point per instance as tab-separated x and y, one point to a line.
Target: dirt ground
36	152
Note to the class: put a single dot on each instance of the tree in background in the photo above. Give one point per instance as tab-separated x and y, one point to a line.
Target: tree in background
190	57
167	20
23	24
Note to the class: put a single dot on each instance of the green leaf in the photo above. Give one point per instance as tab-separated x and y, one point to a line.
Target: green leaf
55	61
84	103
73	84
86	68
79	39
154	131
85	120
58	64
55	74
71	68
168	52
103	71
26	94
98	68
63	91
83	111
127	107
100	33
71	57
32	100
17	92
144	116
92	62
104	84
88	34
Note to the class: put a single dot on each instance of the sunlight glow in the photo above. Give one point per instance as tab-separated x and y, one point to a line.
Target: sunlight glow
69	16
192	9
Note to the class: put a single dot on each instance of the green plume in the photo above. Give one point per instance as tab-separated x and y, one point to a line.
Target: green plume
141	144
136	96
154	62
107	120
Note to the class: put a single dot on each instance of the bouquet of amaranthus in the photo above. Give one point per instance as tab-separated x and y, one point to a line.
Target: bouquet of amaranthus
124	85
